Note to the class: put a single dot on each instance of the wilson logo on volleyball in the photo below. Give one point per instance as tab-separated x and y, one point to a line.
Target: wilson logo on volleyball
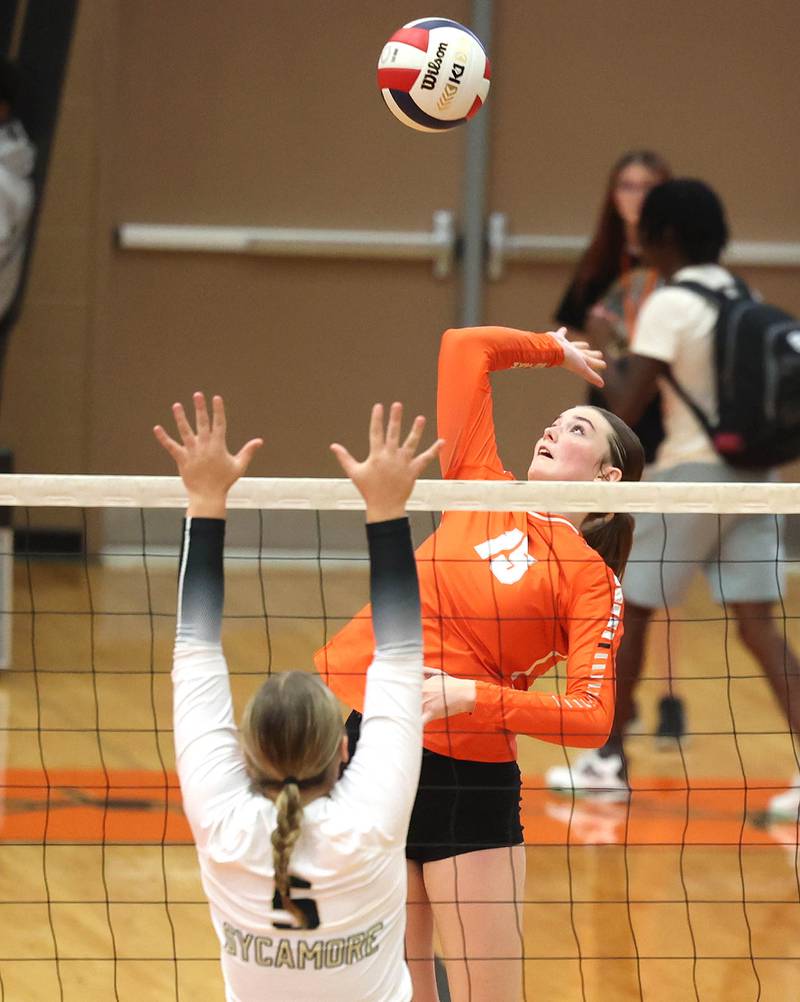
432	72
451	86
507	555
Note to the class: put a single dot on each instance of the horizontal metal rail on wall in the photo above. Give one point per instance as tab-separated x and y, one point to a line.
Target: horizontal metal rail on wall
437	245
504	248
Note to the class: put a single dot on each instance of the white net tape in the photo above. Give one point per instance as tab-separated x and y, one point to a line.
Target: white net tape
429	495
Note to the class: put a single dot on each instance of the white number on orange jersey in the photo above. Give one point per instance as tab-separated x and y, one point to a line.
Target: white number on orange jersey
507	555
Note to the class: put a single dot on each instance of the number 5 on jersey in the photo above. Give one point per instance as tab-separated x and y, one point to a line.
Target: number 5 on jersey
306	905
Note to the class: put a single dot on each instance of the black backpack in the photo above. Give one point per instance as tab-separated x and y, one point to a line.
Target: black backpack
757	361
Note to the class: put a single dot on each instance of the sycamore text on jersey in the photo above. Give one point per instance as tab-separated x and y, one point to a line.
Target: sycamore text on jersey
301	953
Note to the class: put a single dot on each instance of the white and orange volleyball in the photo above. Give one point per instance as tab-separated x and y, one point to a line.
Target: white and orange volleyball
433	74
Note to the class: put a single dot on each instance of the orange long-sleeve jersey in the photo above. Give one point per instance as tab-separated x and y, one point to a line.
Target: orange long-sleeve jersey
505	595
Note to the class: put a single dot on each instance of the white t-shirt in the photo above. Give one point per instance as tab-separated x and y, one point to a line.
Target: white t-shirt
350	857
676	326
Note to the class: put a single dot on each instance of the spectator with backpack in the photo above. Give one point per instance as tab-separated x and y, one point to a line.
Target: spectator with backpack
608	288
720	426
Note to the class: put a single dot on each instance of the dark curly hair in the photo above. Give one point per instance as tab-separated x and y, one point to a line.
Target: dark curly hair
690	213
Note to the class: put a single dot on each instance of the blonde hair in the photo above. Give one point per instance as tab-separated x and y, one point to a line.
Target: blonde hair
291	732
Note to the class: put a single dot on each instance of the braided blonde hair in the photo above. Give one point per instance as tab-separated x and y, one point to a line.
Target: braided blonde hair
291	732
287	832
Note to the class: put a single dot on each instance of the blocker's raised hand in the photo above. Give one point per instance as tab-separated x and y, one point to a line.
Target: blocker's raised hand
207	468
388	474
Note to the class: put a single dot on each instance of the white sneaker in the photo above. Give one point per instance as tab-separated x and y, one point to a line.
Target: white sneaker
786	806
591	776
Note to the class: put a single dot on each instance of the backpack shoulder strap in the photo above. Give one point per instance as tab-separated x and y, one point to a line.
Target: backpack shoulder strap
690	403
717	297
720	299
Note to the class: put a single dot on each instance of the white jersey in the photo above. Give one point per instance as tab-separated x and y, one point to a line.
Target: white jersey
348	867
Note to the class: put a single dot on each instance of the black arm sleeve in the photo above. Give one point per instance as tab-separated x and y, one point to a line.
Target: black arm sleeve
394	589
201	582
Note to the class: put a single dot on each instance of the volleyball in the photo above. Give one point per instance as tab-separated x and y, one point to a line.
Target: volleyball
433	74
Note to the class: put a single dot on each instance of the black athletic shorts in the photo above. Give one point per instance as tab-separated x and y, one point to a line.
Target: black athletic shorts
461	806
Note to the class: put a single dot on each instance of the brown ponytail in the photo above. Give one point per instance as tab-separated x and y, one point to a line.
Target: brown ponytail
292	733
612	534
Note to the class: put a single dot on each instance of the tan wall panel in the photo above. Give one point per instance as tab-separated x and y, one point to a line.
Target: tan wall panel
92	40
269	114
301	352
579	83
63	272
71	194
45	404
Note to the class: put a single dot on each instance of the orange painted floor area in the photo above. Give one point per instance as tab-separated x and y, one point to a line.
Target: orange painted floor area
81	805
85	806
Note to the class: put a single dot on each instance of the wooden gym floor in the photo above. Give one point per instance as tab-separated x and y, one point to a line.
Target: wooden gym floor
684	894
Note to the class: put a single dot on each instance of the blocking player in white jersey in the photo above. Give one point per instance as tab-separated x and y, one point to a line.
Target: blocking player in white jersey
304	871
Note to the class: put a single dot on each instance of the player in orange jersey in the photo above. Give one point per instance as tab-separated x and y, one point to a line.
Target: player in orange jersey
505	596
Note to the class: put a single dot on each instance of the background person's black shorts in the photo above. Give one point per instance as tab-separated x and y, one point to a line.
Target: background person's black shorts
461	806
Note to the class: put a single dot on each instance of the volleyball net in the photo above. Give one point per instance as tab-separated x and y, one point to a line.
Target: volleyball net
686	888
